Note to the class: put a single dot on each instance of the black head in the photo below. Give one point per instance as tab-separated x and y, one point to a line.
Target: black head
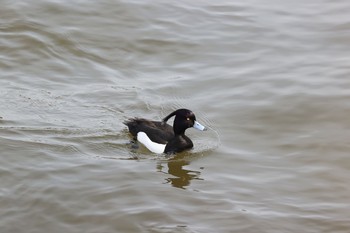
184	119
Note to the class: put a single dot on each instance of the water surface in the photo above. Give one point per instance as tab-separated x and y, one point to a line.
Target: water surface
269	79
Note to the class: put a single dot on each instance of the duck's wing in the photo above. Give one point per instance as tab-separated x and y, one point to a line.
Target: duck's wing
157	131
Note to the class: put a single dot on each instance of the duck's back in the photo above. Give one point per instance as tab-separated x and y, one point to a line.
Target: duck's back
157	131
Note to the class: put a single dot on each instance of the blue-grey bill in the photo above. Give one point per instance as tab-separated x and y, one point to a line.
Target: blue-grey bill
198	126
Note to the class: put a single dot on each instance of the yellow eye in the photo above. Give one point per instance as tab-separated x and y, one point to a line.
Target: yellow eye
188	118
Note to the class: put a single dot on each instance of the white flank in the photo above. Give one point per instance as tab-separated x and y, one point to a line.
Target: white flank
152	146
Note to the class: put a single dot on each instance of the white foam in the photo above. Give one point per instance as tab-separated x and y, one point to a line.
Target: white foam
152	146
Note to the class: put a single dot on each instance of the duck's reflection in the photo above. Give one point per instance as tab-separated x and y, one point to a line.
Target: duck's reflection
181	177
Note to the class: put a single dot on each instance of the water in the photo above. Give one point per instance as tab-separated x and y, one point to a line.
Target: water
270	80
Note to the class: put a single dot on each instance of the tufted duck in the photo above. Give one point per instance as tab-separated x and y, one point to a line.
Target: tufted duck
159	137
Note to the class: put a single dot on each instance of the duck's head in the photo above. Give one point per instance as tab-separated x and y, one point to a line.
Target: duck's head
184	119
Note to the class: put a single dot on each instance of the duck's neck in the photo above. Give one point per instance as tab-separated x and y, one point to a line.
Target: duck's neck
178	130
179	133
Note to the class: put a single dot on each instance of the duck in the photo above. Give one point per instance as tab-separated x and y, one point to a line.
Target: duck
159	137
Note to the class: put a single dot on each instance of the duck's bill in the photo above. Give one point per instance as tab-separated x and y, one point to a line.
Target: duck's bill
198	126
